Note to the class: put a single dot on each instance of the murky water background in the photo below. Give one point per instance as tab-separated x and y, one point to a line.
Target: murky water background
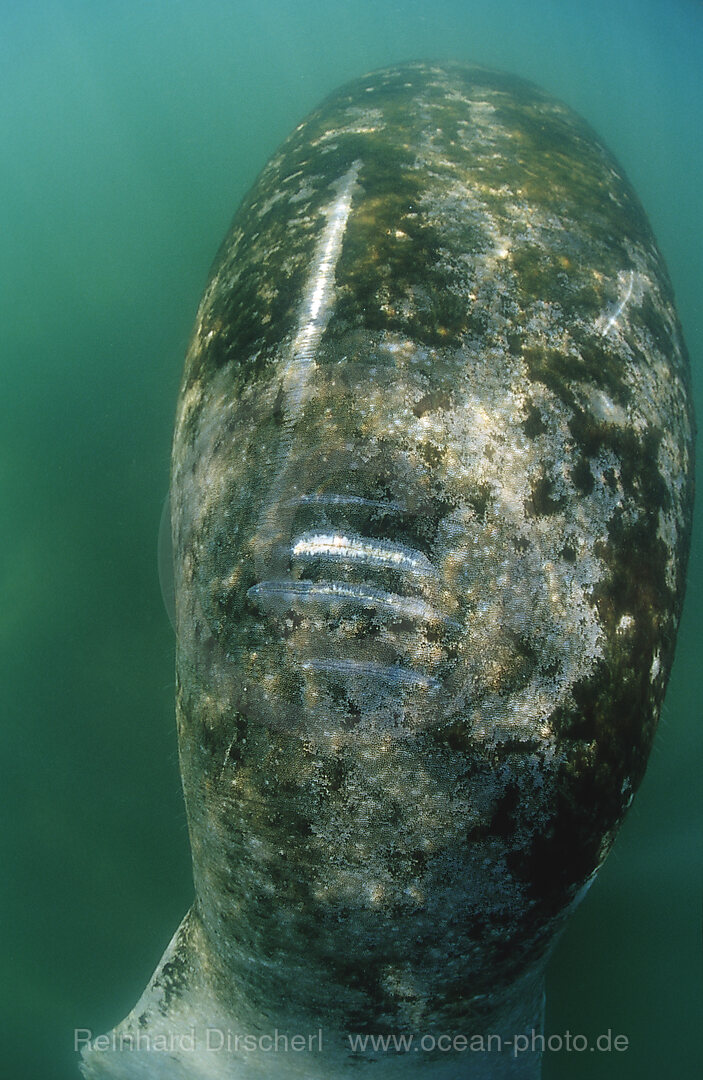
128	133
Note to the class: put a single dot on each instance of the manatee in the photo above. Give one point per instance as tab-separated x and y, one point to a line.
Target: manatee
431	504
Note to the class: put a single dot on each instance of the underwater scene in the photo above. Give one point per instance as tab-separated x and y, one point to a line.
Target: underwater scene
131	133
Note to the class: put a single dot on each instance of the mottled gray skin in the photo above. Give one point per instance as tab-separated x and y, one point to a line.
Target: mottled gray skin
431	505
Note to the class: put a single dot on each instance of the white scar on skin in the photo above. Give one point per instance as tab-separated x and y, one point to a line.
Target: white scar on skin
608	324
358	669
315	310
278	596
318	294
361	549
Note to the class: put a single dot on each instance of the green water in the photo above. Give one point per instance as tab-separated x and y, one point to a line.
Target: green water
128	133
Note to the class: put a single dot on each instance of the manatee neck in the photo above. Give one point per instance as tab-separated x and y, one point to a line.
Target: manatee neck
186	1026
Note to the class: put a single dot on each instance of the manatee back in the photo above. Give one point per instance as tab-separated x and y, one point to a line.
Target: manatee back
432	493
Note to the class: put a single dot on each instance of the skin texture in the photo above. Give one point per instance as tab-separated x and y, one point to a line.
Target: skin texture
431	508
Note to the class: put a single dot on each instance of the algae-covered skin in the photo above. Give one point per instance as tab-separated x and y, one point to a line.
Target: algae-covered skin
431	507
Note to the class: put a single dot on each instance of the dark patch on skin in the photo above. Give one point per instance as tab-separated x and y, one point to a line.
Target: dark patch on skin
541	276
432	453
561	855
608	729
503	820
533	424
611	741
549	366
480	499
559	371
567	161
514	342
599	366
403	285
172	981
542	501
637	582
582	477
431	402
637	455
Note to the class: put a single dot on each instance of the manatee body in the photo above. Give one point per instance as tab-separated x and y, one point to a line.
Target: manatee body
431	505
